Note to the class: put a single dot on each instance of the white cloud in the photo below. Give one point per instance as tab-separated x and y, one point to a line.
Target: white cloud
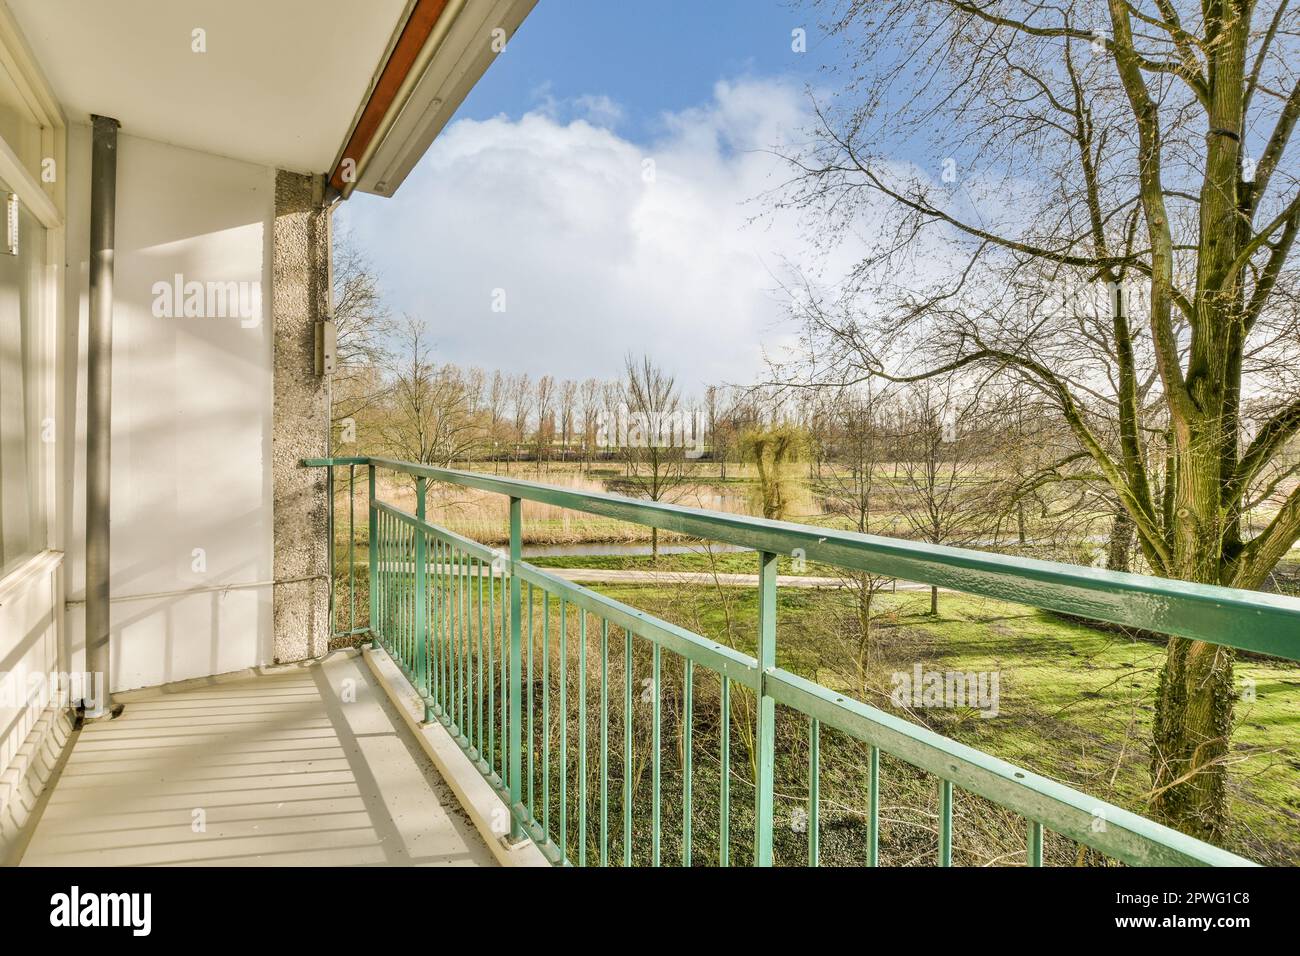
600	110
601	245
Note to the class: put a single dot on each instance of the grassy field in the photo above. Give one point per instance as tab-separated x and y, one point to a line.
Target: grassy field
484	516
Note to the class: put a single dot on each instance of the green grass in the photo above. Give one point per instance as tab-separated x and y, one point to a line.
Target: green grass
724	562
1075	701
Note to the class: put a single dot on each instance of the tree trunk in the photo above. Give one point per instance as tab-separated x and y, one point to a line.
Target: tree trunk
1193	722
1121	540
934	601
866	592
1194	698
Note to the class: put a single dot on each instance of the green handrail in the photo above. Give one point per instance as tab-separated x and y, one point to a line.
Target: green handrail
437	655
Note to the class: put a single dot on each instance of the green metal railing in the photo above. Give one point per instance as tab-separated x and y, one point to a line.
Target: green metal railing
484	637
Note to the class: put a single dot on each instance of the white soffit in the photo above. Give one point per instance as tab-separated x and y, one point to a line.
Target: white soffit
279	84
459	63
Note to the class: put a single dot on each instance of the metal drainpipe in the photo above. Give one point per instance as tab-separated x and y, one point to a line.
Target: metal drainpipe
99	406
331	203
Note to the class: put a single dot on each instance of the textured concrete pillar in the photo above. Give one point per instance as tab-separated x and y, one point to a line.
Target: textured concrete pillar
299	278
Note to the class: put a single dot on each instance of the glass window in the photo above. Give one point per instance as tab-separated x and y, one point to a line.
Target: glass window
22	522
19	126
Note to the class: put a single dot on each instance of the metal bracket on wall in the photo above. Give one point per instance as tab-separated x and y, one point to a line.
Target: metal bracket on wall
326	341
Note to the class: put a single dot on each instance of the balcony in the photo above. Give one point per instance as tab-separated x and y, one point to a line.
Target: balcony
500	713
617	738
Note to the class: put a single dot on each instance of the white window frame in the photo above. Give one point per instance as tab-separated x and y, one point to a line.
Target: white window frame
46	202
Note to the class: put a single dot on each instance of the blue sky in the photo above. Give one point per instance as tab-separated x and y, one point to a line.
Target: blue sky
604	178
650	56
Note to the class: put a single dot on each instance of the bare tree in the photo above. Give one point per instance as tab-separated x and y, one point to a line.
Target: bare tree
614	409
430	413
771	449
521	405
361	322
544	435
497	397
1139	150
656	459
854	434
568	413
589	404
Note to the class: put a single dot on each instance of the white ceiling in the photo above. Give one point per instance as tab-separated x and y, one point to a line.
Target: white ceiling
280	83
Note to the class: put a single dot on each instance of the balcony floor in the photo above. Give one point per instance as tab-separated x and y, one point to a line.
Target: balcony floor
300	765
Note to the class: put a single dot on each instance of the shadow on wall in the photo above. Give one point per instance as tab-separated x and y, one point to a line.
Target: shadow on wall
192	410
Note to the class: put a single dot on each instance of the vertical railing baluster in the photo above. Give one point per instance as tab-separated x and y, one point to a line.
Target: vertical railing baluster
385	584
400	607
477	672
453	621
389	555
466	649
456	617
443	637
376	580
467	642
688	720
873	808
604	742
372	553
504	747
435	633
412	637
765	729
1034	849
814	791
627	749
582	739
408	606
655	757
724	781
471	710
421	611
329	536
398	538
492	665
564	731
516	721
392	621
396	530
352	549
532	719
478	658
408	589
945	823
546	713
440	615
404	654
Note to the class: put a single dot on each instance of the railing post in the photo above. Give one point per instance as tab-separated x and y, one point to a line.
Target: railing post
329	536
372	550
765	731
421	597
516	678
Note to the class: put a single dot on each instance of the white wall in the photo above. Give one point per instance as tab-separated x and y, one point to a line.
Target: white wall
191	415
